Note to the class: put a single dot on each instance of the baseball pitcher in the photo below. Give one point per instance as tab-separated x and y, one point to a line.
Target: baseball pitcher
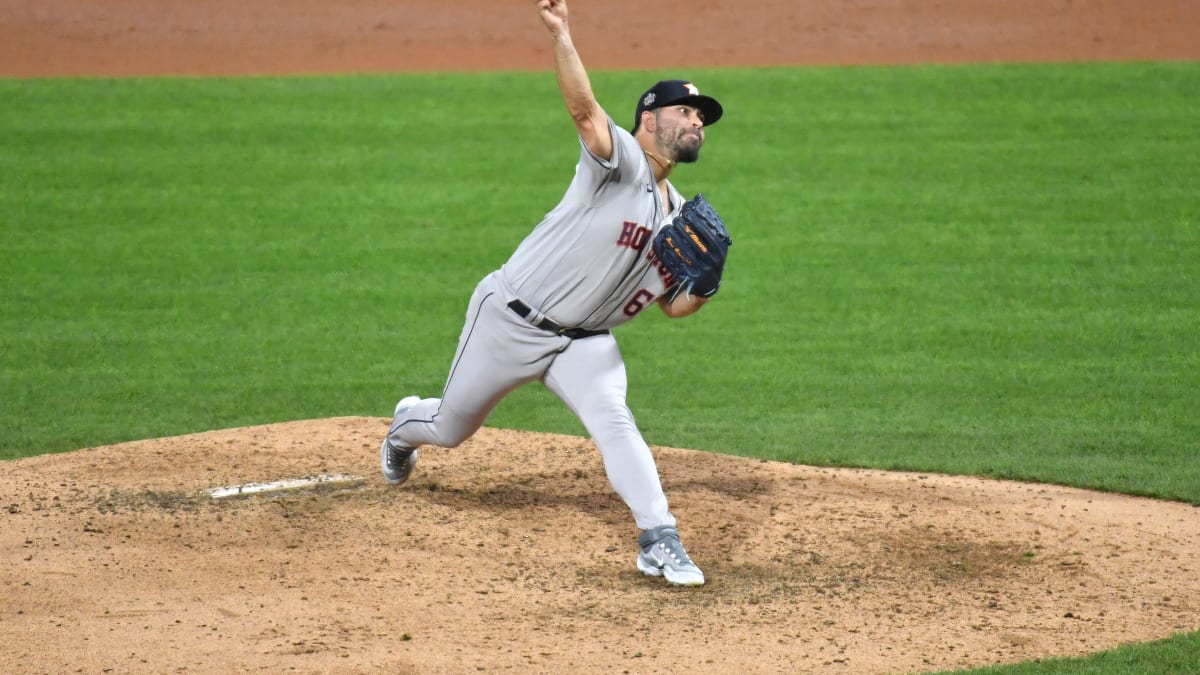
621	240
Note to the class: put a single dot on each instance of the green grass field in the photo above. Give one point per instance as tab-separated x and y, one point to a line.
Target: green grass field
970	270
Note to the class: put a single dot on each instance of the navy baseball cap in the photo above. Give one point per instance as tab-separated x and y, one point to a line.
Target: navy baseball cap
669	92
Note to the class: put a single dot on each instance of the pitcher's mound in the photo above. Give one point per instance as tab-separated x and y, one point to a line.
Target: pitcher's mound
512	553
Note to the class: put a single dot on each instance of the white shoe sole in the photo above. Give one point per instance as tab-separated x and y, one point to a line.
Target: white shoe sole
406	402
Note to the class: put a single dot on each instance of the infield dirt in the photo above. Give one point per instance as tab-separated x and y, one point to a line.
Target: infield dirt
511	553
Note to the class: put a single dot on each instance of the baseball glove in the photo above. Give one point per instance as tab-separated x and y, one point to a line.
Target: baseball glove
693	248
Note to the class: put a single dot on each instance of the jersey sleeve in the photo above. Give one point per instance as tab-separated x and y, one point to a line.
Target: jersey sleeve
595	170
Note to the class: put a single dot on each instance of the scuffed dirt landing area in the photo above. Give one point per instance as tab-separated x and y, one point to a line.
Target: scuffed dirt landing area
511	553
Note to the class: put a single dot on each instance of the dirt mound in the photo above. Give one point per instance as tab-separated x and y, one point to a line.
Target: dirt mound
512	553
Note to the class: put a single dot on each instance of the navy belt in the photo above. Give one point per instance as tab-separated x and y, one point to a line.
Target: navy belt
546	324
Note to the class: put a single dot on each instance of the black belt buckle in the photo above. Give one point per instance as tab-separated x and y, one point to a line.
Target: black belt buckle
545	324
580	333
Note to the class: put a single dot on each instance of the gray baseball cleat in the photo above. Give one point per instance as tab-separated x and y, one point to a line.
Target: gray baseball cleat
398	462
661	554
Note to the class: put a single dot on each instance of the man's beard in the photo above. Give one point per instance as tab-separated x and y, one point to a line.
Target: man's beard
687	154
687	150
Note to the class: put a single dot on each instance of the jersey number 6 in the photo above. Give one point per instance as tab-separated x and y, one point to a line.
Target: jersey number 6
638	302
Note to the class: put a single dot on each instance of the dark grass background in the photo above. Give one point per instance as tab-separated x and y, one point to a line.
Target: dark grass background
975	270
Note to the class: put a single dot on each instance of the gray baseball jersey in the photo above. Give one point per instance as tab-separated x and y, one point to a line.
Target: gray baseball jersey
589	263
